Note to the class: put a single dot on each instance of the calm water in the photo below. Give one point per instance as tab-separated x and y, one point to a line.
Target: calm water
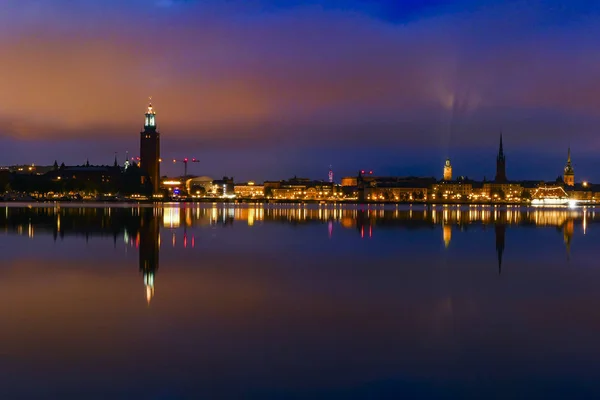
299	302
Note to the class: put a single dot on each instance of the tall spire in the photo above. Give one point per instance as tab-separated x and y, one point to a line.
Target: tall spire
569	175
501	163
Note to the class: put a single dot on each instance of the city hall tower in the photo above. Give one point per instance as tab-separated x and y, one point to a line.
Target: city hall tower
150	149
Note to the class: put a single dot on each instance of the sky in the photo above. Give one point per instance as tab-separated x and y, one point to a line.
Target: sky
269	89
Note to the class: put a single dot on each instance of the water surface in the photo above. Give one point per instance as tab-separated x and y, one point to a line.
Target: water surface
255	301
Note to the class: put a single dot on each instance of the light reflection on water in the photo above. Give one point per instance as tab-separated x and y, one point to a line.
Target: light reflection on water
266	301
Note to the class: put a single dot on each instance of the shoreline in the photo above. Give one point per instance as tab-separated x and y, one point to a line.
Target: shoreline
310	202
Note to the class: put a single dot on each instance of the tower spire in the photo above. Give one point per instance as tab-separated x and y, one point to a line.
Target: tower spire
569	175
501	163
150	150
150	120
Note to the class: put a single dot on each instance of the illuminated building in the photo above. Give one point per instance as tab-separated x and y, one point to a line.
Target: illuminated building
199	186
549	195
582	192
300	189
502	191
396	192
223	187
449	190
501	164
569	176
349	181
447	171
249	190
150	149
372	188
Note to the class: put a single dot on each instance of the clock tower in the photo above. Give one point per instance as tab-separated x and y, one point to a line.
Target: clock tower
150	149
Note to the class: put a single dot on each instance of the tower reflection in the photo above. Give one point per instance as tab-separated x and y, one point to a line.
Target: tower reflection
447	234
149	234
568	229
500	231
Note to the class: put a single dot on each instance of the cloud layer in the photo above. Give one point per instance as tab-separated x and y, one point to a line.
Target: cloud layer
250	76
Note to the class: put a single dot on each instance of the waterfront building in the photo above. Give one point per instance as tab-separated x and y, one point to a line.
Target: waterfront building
501	164
569	176
249	190
448	170
552	194
391	188
85	179
223	187
452	190
582	191
150	150
199	186
349	181
503	191
300	189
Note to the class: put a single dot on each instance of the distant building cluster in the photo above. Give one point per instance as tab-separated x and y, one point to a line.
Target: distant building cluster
139	178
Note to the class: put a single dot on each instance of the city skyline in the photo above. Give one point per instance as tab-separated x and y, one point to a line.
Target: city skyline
246	86
150	146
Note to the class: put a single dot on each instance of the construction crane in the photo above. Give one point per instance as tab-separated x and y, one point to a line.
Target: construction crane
185	162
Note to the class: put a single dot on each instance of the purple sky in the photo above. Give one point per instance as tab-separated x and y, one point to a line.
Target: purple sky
267	89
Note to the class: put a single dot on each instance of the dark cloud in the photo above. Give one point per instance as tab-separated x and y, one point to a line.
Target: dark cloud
266	76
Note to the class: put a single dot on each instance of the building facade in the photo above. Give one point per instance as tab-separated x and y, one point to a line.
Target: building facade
502	191
452	190
249	190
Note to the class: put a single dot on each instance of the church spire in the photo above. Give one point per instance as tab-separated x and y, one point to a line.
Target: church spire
501	163
569	175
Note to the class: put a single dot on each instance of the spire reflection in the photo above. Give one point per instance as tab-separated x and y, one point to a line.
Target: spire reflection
149	249
500	233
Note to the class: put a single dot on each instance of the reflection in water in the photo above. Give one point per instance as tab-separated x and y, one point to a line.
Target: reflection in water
568	229
149	248
500	230
144	223
91	221
447	229
288	284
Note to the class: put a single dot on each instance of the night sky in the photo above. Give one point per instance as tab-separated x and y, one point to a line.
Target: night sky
268	89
